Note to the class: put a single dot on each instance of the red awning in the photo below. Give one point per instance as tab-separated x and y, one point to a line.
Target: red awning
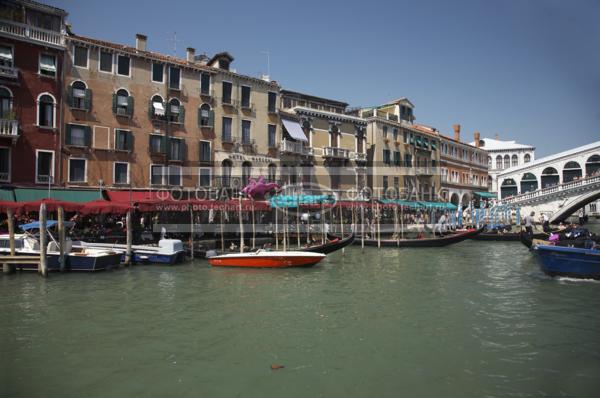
138	196
104	207
51	205
15	206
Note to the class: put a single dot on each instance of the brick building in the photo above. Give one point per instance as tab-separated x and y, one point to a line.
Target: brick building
32	45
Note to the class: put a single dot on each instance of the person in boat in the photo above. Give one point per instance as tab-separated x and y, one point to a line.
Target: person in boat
441	225
529	221
581	216
545	223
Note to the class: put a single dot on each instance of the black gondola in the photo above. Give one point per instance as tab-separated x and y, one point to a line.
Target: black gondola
507	236
427	242
330	247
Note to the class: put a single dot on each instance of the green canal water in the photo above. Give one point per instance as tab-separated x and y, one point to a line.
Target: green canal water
471	320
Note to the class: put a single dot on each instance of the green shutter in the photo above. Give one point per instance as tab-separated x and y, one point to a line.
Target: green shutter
211	118
70	97
114	103
129	141
199	117
68	135
88	136
87	101
130	105
164	144
181	117
182	150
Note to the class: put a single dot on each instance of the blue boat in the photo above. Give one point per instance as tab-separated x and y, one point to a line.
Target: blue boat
568	261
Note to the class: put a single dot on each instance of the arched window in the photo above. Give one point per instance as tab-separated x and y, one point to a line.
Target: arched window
592	166
528	183
549	177
508	188
6	104
46	106
498	162
272	170
174	110
157	107
205	116
527	158
226	173
78	95
246	172
489	162
506	161
571	171
123	103
514	161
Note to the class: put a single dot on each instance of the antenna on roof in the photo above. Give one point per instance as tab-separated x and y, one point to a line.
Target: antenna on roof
174	40
267	77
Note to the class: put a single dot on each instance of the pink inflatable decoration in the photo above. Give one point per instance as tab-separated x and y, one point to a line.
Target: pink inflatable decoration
258	189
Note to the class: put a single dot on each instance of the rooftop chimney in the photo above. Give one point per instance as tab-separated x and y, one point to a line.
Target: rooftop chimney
456	128
140	42
201	59
477	138
190	54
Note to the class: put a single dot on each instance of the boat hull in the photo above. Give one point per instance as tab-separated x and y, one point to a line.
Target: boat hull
93	263
507	237
568	261
330	247
430	242
267	260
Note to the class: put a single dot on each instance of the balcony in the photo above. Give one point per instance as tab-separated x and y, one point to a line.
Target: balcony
248	106
9	128
359	156
425	171
337	153
9	72
37	35
229	102
297	148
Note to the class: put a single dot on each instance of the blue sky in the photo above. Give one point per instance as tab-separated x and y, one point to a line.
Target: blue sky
523	69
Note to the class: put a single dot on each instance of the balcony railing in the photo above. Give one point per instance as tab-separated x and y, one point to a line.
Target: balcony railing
334	152
9	72
33	33
359	156
9	128
556	190
295	147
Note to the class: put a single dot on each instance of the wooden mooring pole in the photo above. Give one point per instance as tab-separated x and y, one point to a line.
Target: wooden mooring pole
43	268
61	238
191	232
128	252
8	268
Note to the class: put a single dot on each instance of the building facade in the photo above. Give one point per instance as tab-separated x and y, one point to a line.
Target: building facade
503	155
32	46
333	155
138	119
403	161
463	166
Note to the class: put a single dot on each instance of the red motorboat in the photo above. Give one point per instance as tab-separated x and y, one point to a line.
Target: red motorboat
267	259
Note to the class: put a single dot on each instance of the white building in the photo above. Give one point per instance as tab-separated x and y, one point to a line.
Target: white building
503	155
560	168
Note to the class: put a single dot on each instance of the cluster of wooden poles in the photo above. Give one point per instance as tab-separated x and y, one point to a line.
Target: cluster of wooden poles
9	261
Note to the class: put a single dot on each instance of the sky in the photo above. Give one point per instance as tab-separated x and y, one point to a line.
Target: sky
527	70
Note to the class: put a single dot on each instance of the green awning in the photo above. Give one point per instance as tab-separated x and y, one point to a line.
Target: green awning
69	195
486	195
7	195
418	141
438	205
433	146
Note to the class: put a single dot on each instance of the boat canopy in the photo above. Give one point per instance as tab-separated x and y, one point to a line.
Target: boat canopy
302	200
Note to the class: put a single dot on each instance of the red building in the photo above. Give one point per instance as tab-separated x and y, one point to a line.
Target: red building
32	47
